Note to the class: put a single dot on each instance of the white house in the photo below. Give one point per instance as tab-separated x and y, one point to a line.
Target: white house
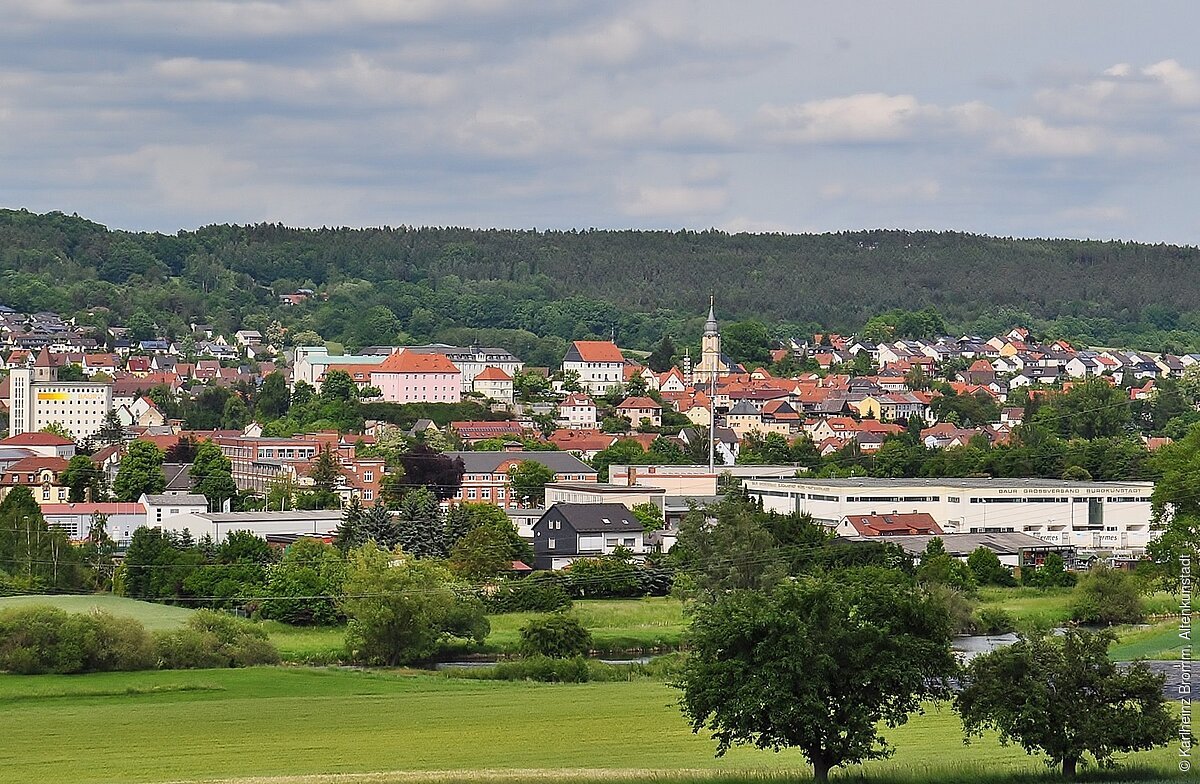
598	363
577	412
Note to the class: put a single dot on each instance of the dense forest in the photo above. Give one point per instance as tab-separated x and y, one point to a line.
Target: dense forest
532	291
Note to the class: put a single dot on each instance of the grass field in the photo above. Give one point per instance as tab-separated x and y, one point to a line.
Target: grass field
1160	641
289	722
616	624
1049	607
153	616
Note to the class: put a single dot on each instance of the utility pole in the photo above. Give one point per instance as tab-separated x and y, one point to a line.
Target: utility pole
712	423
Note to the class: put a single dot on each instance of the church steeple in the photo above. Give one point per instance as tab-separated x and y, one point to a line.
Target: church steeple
710	326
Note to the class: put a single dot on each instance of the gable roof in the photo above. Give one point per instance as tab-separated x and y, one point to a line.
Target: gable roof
37	439
639	403
889	524
597	518
594	351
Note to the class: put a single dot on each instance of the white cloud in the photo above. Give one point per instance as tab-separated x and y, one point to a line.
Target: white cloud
355	78
654	201
863	117
745	225
1182	84
1033	137
690	127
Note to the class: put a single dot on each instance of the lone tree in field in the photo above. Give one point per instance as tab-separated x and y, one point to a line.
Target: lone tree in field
1065	698
814	666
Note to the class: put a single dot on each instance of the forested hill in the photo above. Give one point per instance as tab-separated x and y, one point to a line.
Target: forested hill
575	284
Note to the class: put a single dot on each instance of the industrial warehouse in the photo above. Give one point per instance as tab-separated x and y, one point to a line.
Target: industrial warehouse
1111	517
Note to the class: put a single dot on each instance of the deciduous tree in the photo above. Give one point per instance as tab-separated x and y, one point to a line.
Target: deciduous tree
815	666
1065	698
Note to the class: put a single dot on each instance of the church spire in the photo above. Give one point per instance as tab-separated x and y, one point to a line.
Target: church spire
710	326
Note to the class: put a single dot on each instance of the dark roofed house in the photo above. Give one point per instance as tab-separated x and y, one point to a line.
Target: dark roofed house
567	532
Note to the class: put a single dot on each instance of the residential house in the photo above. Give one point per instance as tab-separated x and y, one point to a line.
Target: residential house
40	474
577	411
567	532
486	474
584	443
598	363
641	409
494	384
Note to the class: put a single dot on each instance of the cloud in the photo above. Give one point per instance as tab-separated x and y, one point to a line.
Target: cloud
745	225
283	18
355	78
689	128
863	117
655	201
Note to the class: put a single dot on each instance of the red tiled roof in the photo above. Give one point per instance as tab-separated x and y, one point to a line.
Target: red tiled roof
581	440
490	373
37	463
410	362
598	351
36	439
894	524
639	402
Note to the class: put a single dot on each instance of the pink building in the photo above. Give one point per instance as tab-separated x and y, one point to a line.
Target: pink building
405	377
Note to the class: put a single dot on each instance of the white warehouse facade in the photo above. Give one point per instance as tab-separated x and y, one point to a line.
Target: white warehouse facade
1096	516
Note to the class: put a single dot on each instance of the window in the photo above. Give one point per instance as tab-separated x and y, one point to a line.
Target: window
368	476
471	493
485	493
549	544
368	495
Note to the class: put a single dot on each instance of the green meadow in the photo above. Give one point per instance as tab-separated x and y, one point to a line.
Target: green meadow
284	723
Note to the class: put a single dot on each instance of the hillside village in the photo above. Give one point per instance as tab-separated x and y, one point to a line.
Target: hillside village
828	397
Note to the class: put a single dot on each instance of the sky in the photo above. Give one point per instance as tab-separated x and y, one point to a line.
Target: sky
1072	118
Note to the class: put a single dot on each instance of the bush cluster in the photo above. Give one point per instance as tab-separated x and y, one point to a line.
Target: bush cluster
555	636
44	639
37	639
536	593
212	639
613	578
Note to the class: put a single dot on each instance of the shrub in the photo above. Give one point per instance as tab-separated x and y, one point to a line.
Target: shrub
1108	596
38	639
188	649
117	644
555	636
214	639
536	593
602	578
993	620
545	669
44	639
